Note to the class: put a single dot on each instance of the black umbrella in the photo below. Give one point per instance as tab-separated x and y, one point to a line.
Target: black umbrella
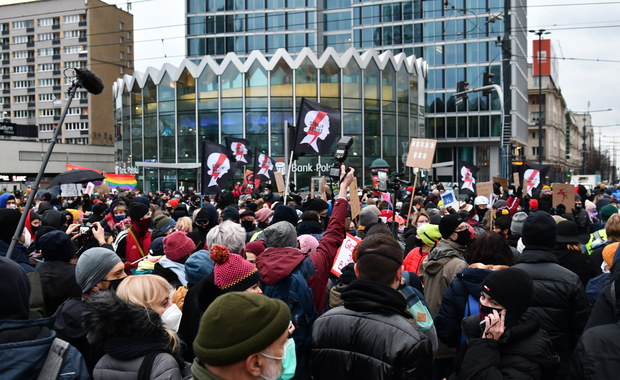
76	176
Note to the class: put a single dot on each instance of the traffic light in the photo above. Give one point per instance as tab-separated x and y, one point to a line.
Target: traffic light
461	87
487	81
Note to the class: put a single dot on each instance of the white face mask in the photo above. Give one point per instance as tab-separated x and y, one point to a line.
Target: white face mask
172	317
11	206
273	370
421	224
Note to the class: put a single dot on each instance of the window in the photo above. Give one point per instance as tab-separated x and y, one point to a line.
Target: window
122	55
46	52
23	99
46	36
83	126
72	19
47	97
23	114
121	70
20	54
48	67
48	82
23	84
49	21
20	39
20	69
46	127
23	24
75	64
537	117
80	95
72	49
74	111
71	33
128	35
49	112
535	150
121	25
129	49
78	141
538	99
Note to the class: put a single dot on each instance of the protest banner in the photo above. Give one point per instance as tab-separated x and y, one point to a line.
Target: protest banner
344	255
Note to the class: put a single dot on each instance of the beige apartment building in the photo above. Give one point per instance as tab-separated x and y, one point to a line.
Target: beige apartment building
39	41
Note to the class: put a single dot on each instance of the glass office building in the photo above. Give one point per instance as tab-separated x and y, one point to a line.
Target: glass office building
163	115
460	39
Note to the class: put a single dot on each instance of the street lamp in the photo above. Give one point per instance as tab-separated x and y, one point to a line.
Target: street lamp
540	33
600	133
584	128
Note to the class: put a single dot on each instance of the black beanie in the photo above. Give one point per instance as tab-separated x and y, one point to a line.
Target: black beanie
137	210
539	230
512	288
315	204
448	224
56	246
285	213
14	290
9	219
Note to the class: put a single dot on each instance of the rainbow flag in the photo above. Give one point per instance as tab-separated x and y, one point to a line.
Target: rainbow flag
77	167
123	181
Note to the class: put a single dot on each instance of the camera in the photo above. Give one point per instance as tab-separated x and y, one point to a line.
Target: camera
342	151
86	229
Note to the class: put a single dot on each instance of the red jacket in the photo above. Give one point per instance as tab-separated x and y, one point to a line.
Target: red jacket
414	259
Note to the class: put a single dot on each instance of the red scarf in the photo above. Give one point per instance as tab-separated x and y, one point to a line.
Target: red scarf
138	241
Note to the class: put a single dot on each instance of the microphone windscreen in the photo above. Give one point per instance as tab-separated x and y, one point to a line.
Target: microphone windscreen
91	82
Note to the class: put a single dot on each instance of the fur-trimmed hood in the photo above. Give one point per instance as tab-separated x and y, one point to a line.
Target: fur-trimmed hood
107	316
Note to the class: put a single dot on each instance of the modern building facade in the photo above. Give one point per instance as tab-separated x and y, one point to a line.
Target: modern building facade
39	41
460	39
162	116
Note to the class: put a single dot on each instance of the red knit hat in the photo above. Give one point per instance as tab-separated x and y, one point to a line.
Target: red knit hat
178	246
232	273
533	204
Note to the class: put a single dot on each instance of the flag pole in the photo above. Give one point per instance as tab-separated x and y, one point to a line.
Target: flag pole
288	159
415	183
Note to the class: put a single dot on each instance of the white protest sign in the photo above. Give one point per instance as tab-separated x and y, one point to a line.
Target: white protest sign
450	199
69	190
89	188
345	254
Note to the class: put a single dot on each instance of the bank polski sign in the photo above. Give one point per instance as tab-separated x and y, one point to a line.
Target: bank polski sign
309	168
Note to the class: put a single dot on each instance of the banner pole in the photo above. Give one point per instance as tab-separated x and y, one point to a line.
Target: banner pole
415	183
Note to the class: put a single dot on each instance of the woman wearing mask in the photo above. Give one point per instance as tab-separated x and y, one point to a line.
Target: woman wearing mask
135	328
426	238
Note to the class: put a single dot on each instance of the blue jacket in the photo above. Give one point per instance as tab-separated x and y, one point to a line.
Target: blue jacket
452	310
25	344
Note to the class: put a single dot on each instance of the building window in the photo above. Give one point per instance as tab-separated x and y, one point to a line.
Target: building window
71	19
74	111
46	36
72	49
46	112
48	21
538	99
47	97
48	82
83	126
537	116
20	39
121	70
128	35
20	69
121	25
48	67
129	49
75	64
23	84
46	52
20	54
23	114
535	150
71	33
23	24
23	99
46	127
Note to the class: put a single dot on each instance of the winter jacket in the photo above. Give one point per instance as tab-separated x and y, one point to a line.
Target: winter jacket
200	372
452	310
24	345
68	325
596	355
58	283
37	303
579	263
413	260
127	333
559	301
523	352
371	337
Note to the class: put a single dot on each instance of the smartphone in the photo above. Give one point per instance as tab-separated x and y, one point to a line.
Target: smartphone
483	326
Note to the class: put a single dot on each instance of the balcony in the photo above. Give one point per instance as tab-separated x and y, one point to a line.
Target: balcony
6	90
83	117
30	59
82	39
5	32
30	75
6	105
82	23
84	101
5	46
55	42
56	88
32	105
29	30
6	62
84	133
6	76
56	72
55	26
56	117
56	56
30	44
82	55
30	89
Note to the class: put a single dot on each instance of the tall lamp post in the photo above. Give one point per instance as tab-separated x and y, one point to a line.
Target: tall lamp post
584	146
540	33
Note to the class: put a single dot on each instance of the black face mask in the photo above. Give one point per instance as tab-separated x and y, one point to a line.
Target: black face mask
115	283
578	206
248	225
464	237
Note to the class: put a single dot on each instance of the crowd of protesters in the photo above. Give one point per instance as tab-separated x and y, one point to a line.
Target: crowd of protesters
174	285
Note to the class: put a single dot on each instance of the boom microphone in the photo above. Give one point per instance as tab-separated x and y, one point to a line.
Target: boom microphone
91	82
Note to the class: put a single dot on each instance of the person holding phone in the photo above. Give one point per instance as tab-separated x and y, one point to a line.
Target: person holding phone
501	341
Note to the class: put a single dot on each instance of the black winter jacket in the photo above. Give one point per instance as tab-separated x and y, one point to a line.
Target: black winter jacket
452	310
597	353
523	352
370	337
579	263
559	301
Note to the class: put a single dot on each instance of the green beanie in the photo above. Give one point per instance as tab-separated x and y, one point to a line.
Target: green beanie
237	325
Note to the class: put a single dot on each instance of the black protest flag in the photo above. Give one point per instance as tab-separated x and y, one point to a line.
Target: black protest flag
468	177
249	183
317	128
263	167
217	167
238	149
532	178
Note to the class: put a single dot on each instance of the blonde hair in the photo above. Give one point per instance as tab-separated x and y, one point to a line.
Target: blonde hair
146	290
612	227
184	224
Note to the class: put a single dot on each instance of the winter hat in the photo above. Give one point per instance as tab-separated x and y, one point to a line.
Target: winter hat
430	205
533	204
93	265
539	229
429	234
237	325
256	247
173	203
609	253
198	266
448	224
263	214
44	206
307	244
568	232
512	288
157	246
247	212
516	226
98	209
14	291
281	234
178	246
137	210
367	218
373	208
499	203
231	213
434	215
608	211
56	246
9	219
315	204
285	213
590	206
232	273
163	223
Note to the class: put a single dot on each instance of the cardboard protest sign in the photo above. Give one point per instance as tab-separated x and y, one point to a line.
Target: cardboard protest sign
345	254
102	189
515	179
354	200
564	194
279	181
485	189
323	193
421	153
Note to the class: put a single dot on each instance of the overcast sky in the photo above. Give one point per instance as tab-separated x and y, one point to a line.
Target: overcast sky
582	32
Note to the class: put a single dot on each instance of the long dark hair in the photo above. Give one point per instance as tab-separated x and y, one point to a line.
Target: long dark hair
492	249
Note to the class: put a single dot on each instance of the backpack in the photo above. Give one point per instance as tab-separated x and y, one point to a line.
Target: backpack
54	360
295	292
595	286
472	307
418	307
